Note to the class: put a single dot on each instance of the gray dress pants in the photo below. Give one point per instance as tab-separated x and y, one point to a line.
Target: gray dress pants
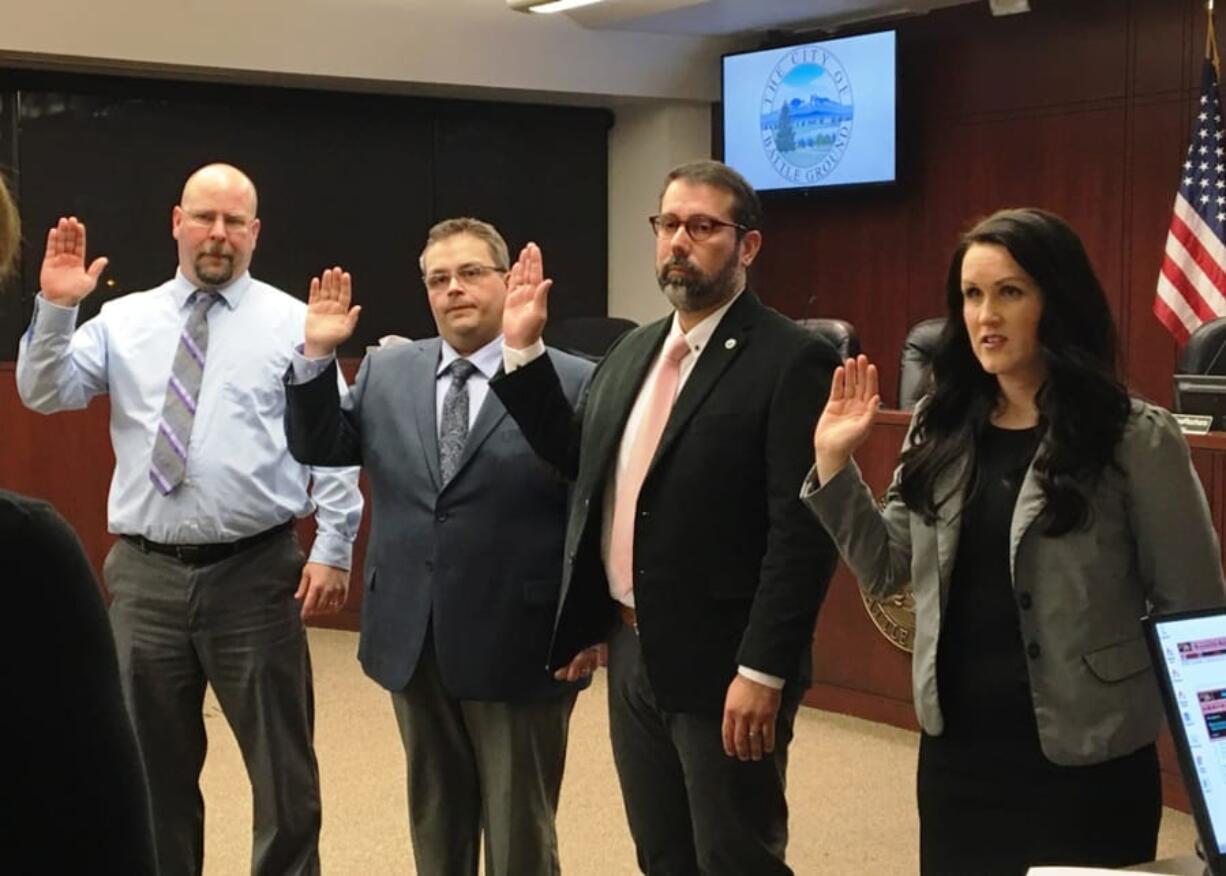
476	768
233	624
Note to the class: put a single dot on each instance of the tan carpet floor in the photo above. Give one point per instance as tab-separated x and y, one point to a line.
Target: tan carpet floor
851	788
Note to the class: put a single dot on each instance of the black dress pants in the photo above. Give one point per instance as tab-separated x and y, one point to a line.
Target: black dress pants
692	809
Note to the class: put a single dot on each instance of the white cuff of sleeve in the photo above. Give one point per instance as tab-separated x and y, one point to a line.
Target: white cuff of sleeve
771	681
513	359
305	369
331	549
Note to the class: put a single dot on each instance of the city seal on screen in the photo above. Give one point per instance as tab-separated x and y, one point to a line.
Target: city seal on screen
807	113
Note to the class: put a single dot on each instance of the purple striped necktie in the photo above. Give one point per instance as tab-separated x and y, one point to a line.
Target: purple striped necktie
169	464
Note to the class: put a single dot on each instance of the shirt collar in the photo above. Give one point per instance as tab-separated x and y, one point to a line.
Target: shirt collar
487	360
232	293
697	337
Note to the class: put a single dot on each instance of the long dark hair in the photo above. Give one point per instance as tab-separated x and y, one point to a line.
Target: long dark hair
1083	405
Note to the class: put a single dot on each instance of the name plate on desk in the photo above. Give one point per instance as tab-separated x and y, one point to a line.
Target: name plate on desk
1194	424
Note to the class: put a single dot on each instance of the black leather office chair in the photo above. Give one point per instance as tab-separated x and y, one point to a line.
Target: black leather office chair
1205	352
839	332
587	336
915	366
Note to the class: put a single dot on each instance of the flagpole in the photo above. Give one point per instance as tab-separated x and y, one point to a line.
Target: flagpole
1211	51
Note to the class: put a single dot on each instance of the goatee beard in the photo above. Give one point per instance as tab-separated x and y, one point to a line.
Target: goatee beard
696	291
218	276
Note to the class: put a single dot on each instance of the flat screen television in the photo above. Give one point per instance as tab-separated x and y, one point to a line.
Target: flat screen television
815	115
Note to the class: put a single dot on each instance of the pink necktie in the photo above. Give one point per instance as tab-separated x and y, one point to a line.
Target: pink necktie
661	393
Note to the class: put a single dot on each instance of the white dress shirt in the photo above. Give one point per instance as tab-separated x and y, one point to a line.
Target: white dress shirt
486	360
241	479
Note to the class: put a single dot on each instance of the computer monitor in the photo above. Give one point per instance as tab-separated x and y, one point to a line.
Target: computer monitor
1188	651
1202	394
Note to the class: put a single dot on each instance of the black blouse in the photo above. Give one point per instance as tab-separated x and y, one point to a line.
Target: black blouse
981	664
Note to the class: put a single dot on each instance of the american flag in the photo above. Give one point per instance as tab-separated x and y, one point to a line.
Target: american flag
1192	284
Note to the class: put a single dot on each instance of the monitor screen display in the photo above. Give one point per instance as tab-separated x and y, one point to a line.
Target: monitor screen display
1189	652
812	115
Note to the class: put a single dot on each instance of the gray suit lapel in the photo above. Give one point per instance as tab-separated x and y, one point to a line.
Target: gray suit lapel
1025	512
950	488
422	379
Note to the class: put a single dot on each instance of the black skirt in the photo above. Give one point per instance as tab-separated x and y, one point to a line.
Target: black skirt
998	808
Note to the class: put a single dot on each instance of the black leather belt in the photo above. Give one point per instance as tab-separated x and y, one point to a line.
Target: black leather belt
204	554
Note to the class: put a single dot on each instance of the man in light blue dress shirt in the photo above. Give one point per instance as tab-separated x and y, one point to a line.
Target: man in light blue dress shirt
208	581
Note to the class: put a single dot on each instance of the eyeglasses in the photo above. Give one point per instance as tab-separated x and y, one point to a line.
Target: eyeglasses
698	227
208	218
465	275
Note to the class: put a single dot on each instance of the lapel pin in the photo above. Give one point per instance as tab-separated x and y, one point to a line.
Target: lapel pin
730	344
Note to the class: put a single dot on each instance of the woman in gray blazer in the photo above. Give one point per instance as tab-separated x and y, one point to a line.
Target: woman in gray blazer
1038	512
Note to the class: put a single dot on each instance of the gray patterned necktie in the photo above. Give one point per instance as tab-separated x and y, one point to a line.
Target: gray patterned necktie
453	430
169	464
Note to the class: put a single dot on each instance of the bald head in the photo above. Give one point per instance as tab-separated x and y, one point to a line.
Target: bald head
217	178
216	226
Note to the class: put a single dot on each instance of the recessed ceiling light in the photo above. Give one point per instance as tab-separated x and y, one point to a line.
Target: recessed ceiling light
548	5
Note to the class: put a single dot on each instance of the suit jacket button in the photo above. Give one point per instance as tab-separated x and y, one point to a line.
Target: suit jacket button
1033	650
1025	601
441	517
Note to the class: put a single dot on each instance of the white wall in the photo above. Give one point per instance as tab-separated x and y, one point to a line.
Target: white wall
646	142
660	87
470	44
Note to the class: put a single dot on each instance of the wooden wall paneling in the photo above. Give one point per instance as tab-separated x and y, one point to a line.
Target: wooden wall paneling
787	272
861	249
65	459
1157	135
1058	55
1161	41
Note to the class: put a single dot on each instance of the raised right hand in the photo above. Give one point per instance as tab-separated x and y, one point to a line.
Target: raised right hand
330	320
848	417
64	279
527	304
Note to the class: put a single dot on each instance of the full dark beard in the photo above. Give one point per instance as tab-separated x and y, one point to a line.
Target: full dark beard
695	290
219	275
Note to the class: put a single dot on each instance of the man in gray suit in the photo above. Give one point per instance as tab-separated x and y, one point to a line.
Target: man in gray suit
465	557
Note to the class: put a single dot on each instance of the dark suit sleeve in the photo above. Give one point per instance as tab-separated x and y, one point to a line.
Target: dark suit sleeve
800	557
534	397
82	802
319	431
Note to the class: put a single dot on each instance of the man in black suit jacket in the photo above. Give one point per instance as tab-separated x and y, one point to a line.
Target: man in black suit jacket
465	557
709	560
